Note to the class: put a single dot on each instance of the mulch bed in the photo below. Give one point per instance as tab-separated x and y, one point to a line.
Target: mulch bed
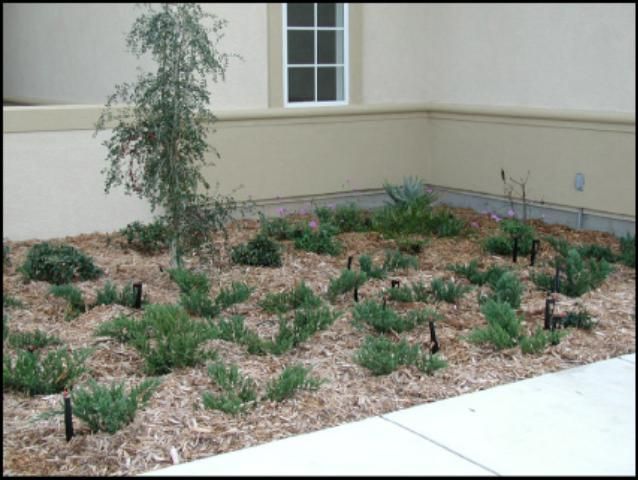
174	426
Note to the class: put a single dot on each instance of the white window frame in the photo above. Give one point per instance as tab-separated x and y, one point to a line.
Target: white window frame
346	60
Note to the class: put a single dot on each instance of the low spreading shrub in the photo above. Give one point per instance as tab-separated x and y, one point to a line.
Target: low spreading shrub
507	288
279	228
76	304
109	408
351	218
32	340
503	326
449	291
537	342
237	293
238	391
504	244
347	281
410	244
58	264
396	260
628	251
319	239
385	320
401	294
366	266
292	379
34	375
300	296
260	251
109	295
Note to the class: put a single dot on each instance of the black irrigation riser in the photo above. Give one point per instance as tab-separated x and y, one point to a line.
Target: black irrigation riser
68	418
515	250
435	343
536	245
137	287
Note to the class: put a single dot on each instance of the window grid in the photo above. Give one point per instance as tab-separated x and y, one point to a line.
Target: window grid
343	65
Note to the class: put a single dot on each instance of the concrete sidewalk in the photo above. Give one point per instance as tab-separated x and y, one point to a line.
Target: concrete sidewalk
580	421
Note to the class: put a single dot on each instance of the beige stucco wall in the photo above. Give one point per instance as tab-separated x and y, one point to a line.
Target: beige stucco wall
566	56
76	53
51	162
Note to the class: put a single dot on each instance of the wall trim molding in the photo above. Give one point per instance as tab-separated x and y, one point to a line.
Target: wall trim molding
83	117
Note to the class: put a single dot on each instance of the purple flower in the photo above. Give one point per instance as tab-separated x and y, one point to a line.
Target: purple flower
495	217
511	213
281	211
475	225
313	224
302	211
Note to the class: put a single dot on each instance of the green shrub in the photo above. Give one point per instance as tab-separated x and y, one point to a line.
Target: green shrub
503	326
580	319
177	339
73	296
504	244
32	340
537	342
319	240
475	276
108	409
10	302
52	374
412	217
386	320
577	275
411	190
449	291
429	364
122	328
279	228
150	238
6	251
231	329
302	326
628	250
351	218
508	288
325	215
58	264
410	245
108	295
238	391
396	260
401	294
382	356
293	378
300	296
420	293
366	266
347	281
260	251
237	293
443	223
599	252
188	281
199	303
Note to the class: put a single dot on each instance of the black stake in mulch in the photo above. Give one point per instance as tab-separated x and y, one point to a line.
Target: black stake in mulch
137	288
515	250
350	262
356	294
549	313
384	301
556	286
435	342
536	244
395	283
68	419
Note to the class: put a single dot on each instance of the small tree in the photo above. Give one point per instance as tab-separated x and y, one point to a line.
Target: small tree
159	138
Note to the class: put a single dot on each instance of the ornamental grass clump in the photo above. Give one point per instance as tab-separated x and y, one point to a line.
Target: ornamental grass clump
238	391
237	293
110	408
508	288
537	342
382	319
109	295
401	294
58	264
34	375
300	296
261	251
293	378
503	326
347	281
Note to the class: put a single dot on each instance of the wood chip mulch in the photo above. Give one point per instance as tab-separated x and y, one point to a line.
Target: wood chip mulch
175	426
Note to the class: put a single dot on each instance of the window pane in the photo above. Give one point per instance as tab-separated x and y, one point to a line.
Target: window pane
301	46
301	15
330	14
301	84
330	46
330	85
